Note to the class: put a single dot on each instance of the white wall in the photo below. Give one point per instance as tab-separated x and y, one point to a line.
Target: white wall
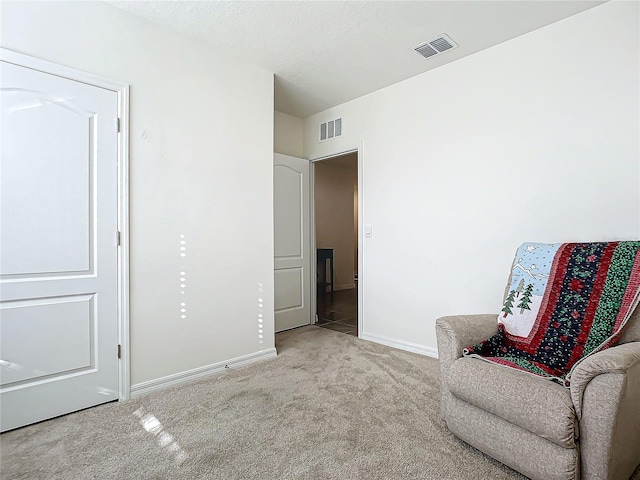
536	139
201	166
287	135
334	215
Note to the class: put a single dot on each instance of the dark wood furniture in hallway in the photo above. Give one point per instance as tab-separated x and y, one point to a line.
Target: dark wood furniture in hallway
325	275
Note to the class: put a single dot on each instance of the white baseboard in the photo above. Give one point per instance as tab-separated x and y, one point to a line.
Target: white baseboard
346	286
175	379
401	344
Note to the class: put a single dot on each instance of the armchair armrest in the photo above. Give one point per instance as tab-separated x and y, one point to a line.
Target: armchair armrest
618	359
605	390
454	333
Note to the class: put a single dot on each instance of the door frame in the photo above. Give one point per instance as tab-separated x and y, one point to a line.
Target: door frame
314	256
122	91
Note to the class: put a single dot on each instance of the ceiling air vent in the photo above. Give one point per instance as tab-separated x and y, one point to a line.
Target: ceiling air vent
437	45
330	129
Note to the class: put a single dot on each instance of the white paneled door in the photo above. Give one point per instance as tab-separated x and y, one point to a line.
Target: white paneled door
58	250
292	242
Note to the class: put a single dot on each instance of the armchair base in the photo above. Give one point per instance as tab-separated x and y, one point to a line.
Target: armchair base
514	446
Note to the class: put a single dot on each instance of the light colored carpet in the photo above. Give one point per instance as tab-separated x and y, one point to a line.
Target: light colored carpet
330	406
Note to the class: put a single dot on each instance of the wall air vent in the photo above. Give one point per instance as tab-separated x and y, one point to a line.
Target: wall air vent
330	129
437	45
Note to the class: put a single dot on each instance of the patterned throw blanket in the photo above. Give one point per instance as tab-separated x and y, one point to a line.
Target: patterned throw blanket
565	302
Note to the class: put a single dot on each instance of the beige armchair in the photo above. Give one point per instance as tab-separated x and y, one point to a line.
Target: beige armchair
543	430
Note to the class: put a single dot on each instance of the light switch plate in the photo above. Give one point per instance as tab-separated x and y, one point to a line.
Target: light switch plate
368	230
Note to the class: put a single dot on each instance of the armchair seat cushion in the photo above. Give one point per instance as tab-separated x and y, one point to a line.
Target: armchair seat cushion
535	404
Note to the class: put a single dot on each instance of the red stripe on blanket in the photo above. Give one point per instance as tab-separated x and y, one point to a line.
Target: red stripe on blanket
592	306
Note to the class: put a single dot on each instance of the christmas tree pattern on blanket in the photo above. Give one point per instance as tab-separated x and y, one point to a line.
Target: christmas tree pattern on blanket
529	277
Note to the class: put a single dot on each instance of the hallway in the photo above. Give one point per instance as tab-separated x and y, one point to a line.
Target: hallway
339	311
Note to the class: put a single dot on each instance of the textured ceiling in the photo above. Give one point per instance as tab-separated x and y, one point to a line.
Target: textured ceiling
325	53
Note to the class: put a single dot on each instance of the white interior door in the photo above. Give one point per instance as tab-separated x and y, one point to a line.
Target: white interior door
58	255
292	242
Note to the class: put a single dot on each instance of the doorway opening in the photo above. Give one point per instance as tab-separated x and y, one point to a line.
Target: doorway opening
336	239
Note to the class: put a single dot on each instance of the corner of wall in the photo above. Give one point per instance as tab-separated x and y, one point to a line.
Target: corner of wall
287	134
